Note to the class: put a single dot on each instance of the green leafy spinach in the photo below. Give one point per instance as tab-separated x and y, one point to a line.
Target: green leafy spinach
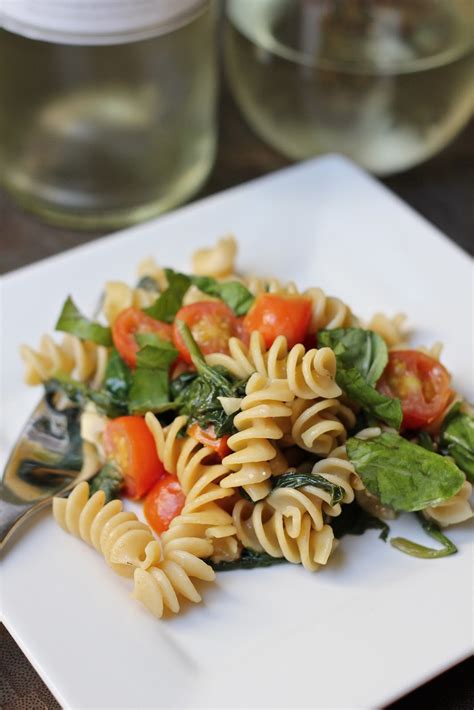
233	293
354	520
249	559
457	439
72	321
169	302
416	550
298	480
109	479
361	357
402	475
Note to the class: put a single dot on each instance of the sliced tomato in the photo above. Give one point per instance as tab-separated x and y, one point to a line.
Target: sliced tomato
130	322
274	315
129	443
208	438
163	503
420	382
211	323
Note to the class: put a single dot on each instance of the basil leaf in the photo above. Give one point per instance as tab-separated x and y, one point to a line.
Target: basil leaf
457	440
169	302
72	321
149	391
361	357
198	397
109	479
249	559
117	378
355	347
402	475
298	480
416	550
373	402
354	520
425	441
155	351
233	293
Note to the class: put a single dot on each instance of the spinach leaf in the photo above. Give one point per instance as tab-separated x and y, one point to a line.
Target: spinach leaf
72	321
425	441
169	302
197	396
149	391
457	440
402	475
117	380
354	520
416	550
233	293
375	404
155	352
249	559
80	393
109	479
361	357
298	480
355	347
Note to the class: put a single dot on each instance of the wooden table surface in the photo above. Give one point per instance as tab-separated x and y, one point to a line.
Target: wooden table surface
441	190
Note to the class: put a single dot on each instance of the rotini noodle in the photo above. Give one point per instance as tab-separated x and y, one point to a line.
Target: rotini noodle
265	402
310	374
83	360
391	329
119	296
319	426
328	312
456	509
217	261
202	515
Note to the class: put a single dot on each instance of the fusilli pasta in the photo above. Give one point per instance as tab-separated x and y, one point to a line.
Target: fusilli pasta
217	261
266	400
81	359
320	425
119	296
456	509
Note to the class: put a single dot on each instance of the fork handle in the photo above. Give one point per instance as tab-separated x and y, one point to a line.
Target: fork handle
12	515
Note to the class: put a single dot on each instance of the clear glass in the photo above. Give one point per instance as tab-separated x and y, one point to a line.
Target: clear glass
105	136
386	83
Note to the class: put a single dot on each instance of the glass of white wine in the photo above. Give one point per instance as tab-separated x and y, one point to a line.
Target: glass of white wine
386	83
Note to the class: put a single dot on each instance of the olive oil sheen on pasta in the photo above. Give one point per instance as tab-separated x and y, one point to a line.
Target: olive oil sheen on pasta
107	111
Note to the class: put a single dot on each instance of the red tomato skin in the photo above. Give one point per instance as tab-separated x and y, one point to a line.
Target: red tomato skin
130	444
420	382
132	321
211	323
163	503
273	315
208	438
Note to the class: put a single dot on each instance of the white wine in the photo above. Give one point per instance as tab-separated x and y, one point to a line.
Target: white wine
388	84
103	134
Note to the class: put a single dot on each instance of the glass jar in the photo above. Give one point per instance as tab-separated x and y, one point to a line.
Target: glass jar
107	109
386	83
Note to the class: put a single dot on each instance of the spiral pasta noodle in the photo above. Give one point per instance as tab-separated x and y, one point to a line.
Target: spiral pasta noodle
391	329
319	426
328	312
310	374
287	530
266	400
81	359
217	261
456	509
162	570
119	296
202	515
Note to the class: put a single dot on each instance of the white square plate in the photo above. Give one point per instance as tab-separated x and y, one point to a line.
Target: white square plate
368	628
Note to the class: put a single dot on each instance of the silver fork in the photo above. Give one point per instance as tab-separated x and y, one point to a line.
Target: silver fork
37	469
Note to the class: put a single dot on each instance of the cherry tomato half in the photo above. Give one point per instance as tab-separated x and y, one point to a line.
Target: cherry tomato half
129	443
130	322
163	503
274	315
211	323
208	438
420	382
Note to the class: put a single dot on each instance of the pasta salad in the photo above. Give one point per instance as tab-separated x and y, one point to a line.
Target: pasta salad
257	423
